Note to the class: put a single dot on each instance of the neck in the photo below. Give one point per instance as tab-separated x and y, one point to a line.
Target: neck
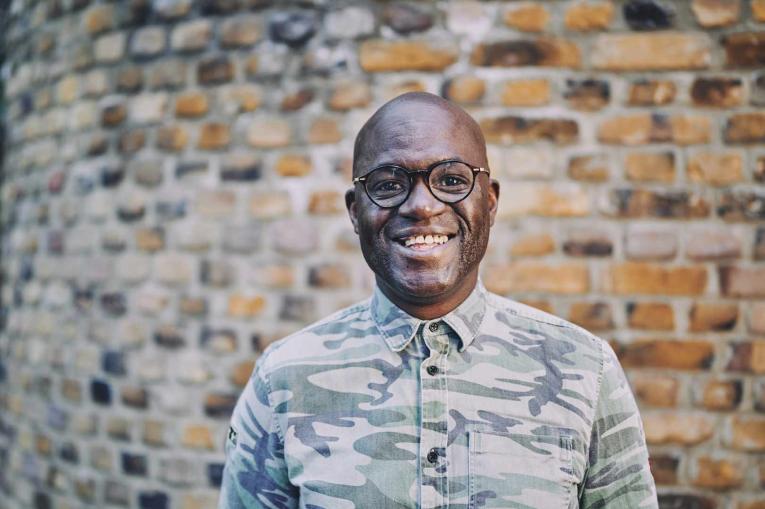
430	307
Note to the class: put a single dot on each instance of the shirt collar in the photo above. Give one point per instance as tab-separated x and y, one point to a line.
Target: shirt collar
398	327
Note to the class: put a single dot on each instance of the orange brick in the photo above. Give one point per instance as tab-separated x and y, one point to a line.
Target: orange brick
191	104
324	130
542	51
715	169
718	474
721	394
241	373
745	128
690	130
711	316
532	276
655	390
588	168
588	16
241	306
406	55
534	92
531	198
465	89
677	428
650	316
758	10
533	245
626	130
748	433
651	93
650	167
716	13
527	17
670	354
197	437
350	94
653	51
214	136
326	202
645	278
513	129
746	282
293	165
593	316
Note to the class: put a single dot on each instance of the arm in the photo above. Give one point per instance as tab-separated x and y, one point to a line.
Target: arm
618	475
255	474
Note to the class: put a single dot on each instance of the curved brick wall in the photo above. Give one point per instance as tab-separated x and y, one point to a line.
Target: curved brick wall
172	202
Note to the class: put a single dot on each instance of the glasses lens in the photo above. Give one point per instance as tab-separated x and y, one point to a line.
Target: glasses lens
388	186
451	181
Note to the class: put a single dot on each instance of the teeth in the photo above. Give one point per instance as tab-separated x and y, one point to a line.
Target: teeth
425	239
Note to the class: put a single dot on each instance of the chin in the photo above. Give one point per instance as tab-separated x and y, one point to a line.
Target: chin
422	287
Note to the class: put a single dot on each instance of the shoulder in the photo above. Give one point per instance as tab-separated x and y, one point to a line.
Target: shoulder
530	319
319	338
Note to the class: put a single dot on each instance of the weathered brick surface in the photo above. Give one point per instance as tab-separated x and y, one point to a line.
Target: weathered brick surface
172	203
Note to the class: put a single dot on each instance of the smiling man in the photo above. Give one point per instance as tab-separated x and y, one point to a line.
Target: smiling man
434	393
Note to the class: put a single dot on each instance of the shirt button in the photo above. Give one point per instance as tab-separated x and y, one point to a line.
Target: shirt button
433	456
433	327
432	370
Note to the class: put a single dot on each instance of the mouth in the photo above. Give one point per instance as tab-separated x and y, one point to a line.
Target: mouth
424	242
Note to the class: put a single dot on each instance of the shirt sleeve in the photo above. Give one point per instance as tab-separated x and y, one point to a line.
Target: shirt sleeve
618	474
255	474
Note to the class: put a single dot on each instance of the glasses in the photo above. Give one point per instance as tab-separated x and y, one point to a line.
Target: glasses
449	181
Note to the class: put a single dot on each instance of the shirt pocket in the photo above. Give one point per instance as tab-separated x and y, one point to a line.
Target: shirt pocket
519	470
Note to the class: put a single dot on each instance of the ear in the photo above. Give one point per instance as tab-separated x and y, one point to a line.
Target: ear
493	196
350	204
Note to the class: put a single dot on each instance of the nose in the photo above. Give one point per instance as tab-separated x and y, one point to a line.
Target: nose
421	202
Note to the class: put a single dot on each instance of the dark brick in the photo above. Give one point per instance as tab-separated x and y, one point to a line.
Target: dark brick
217	273
100	392
131	141
406	18
215	474
134	464
130	213
215	70
113	115
587	95
130	80
97	145
241	171
292	28
634	203
745	49
742	205
69	453
113	363
300	308
685	501
167	210
41	500
219	405
111	176
758	90
745	128
135	397
648	15
55	242
717	92
296	100
543	52
588	245
512	130
114	303
188	168
169	336
758	251
664	468
153	500
214	7
213	338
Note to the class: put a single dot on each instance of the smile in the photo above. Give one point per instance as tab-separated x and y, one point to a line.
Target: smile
424	242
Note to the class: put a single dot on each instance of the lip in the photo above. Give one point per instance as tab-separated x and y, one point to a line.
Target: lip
434	251
413	232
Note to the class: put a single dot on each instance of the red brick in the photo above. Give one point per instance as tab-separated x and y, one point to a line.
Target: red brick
743	282
655	390
718	474
747	356
542	51
717	92
631	278
406	55
658	51
668	354
532	276
650	316
296	100
677	428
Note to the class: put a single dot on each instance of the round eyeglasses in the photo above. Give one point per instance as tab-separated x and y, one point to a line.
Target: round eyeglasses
449	181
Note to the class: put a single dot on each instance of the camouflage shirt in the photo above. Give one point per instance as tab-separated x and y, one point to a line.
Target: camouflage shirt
495	404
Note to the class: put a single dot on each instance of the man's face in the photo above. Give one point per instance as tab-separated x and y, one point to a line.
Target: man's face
416	135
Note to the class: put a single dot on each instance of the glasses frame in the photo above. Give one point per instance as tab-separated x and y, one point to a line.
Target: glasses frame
411	174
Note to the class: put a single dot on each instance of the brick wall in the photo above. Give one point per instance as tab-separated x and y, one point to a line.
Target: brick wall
172	202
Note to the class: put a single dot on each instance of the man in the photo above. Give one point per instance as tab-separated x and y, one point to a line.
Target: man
434	393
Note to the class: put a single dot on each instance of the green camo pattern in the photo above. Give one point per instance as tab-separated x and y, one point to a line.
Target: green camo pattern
494	405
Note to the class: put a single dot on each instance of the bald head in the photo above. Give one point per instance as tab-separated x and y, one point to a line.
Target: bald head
401	120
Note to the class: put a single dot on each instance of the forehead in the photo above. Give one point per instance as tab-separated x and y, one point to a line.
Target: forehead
419	134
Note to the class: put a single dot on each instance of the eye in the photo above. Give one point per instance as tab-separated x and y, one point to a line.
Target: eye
387	186
452	181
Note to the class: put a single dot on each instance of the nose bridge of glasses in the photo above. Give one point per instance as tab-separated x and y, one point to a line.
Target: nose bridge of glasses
420	192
